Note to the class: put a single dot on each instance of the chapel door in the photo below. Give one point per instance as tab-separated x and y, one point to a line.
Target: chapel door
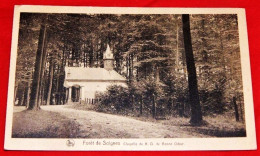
75	94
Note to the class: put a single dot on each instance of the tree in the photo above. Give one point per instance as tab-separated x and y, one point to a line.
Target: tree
50	82
38	69
196	113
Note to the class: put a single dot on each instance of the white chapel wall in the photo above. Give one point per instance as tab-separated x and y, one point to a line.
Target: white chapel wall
89	89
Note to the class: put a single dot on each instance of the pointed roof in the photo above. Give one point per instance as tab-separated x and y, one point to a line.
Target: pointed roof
108	53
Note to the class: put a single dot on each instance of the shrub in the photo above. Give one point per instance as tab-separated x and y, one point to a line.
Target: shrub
114	100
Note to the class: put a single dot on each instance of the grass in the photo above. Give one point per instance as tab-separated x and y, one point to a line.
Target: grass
222	125
43	124
81	106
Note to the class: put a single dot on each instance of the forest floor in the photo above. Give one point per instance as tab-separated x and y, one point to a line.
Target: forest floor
61	121
42	124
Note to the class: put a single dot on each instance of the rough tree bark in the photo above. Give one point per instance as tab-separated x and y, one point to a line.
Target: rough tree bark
33	105
154	106
50	83
28	94
196	114
22	98
15	91
42	80
141	106
236	108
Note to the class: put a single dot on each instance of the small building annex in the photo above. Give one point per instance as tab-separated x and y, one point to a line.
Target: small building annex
83	83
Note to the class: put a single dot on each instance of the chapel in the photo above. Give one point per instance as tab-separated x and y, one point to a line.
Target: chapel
83	83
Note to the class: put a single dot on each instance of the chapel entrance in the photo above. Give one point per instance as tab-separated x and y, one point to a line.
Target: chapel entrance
75	96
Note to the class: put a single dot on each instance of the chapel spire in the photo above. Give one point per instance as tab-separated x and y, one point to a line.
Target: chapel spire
108	59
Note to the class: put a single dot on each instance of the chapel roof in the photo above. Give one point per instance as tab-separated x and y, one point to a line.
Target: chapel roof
92	74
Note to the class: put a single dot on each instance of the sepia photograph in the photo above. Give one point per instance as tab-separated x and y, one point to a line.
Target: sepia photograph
143	75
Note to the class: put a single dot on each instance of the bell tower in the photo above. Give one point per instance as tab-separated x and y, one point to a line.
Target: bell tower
108	59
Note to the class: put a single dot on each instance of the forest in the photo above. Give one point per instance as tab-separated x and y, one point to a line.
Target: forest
175	65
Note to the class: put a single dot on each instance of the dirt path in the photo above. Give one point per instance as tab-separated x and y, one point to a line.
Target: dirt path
101	125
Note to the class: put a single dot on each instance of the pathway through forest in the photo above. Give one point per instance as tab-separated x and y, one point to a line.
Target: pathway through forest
101	125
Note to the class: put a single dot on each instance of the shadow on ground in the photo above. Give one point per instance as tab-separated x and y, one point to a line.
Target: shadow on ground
43	124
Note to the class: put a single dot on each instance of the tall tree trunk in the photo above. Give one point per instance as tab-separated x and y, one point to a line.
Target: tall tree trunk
141	105
157	74
241	111
222	52
50	83
127	68
91	55
42	80
236	108
97	51
33	105
22	97
154	106
133	102
15	91
85	52
196	113
132	67
177	47
42	96
28	94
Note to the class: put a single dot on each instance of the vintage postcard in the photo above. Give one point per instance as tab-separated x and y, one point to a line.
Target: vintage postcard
107	78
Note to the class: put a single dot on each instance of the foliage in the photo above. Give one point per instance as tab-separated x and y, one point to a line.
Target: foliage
114	100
